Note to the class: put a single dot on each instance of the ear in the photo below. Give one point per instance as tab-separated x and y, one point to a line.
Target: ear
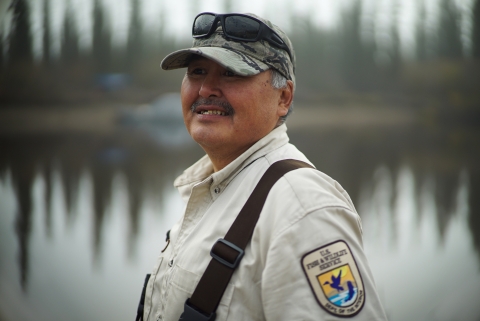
285	99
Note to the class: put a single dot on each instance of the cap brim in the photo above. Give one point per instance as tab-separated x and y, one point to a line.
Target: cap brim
235	61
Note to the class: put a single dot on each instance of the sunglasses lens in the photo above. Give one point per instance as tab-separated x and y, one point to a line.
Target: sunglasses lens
241	27
202	24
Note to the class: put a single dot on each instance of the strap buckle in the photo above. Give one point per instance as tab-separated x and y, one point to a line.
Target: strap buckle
192	314
233	247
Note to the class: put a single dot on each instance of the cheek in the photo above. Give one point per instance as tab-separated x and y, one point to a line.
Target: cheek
188	96
266	100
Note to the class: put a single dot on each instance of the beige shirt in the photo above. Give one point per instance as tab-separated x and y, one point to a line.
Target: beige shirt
286	264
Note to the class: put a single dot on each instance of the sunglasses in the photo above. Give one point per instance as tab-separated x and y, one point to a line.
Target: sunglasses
237	26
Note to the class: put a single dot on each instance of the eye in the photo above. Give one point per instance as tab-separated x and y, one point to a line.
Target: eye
197	71
229	73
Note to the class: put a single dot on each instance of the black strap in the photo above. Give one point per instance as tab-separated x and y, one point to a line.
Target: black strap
142	300
228	252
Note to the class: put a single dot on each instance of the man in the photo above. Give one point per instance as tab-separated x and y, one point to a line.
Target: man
305	260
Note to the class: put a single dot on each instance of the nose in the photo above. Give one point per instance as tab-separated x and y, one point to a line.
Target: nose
210	86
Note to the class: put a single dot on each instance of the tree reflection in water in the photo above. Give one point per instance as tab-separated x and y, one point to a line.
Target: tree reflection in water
395	178
146	167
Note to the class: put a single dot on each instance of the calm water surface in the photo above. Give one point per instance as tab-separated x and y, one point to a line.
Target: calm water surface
82	219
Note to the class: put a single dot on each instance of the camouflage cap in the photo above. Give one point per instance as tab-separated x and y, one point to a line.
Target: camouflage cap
243	58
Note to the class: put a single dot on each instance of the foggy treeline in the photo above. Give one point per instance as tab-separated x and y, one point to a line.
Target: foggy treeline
337	61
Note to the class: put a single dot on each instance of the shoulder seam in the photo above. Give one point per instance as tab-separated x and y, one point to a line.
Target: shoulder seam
308	211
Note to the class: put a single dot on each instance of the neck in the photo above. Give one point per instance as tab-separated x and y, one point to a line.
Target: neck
220	159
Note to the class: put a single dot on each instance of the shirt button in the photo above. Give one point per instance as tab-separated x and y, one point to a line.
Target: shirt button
216	190
170	264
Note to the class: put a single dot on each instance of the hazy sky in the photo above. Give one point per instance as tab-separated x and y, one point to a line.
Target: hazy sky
177	16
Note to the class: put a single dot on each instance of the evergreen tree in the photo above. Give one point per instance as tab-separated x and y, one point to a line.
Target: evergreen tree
309	45
69	49
449	39
134	41
476	30
395	55
351	63
369	46
228	5
164	44
195	7
421	33
2	58
20	42
46	56
101	39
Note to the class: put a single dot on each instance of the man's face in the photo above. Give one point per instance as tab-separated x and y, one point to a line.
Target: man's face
226	113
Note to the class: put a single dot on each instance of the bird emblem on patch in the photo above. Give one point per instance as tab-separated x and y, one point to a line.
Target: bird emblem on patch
334	278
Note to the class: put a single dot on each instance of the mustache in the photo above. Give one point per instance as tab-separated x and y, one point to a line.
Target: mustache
213	102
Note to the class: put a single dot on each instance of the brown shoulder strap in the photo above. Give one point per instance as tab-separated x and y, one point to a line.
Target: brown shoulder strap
226	253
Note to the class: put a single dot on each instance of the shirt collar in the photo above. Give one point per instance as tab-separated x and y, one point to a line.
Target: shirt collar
203	168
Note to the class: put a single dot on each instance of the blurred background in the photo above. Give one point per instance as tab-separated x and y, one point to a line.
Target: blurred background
91	139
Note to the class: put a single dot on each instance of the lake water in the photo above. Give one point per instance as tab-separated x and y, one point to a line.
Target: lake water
83	217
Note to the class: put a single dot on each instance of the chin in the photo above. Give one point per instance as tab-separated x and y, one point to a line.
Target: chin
207	138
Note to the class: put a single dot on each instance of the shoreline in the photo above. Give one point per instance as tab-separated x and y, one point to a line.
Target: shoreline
103	119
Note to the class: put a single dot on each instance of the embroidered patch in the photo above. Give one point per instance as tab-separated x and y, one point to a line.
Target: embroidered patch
335	279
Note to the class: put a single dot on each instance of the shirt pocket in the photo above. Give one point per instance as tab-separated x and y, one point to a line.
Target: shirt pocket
183	284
